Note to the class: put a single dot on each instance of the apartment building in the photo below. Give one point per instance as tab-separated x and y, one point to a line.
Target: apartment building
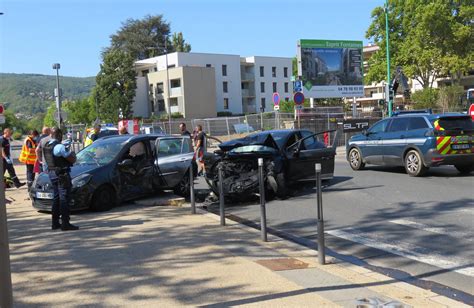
236	85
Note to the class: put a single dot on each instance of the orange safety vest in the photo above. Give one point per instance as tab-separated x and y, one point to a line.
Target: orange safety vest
28	154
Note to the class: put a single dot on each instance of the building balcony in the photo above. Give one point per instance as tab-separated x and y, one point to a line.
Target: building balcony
248	93
176	92
247	77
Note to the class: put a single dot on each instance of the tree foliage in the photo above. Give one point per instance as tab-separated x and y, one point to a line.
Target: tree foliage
428	38
116	85
81	111
179	44
425	98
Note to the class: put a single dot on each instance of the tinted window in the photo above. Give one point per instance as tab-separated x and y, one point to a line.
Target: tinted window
312	142
168	147
400	124
417	123
456	123
379	127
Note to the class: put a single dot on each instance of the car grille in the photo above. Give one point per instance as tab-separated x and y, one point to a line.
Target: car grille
43	204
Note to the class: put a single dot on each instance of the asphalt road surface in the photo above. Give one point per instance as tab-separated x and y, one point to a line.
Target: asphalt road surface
420	228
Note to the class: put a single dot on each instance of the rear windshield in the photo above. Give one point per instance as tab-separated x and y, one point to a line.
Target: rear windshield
456	123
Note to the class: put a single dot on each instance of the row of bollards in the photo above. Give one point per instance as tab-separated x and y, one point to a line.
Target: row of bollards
263	215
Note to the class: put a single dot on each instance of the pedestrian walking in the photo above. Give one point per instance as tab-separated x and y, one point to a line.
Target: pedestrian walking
59	160
200	143
28	156
183	130
7	161
44	138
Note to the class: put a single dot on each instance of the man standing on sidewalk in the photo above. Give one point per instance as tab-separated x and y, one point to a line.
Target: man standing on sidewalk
183	130
59	161
28	156
44	138
7	161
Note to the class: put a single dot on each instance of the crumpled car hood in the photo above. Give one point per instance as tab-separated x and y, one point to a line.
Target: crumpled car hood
266	140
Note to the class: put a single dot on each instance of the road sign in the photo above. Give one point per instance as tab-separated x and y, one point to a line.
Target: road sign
276	107
298	86
298	107
1	109
63	116
471	111
276	98
298	98
2	119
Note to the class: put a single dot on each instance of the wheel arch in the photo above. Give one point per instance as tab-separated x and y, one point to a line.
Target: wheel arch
355	146
101	186
411	147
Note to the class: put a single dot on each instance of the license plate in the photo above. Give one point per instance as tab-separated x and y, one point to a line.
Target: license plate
44	195
460	146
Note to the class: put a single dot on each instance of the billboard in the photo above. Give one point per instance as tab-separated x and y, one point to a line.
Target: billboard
331	68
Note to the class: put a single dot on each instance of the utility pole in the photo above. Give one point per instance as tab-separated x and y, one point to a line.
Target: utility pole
168	89
387	38
57	93
6	297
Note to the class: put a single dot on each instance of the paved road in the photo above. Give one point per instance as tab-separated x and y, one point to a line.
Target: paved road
420	226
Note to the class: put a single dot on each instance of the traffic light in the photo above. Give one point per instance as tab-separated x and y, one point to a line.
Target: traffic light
381	102
391	94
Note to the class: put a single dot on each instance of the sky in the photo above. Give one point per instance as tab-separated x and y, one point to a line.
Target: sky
35	34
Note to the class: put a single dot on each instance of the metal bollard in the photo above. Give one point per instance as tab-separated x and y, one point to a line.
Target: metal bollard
263	214
221	195
321	252
191	190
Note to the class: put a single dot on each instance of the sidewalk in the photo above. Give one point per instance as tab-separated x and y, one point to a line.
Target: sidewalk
137	255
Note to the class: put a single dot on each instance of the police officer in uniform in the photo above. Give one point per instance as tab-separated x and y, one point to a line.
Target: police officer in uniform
59	161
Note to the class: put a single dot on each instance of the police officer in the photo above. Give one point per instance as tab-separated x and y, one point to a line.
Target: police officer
59	161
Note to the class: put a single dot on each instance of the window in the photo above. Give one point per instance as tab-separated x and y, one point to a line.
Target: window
379	127
159	88
417	123
152	105
174	101
208	65
285	72
168	147
274	71
155	69
224	87
262	104
311	143
145	72
262	71
275	87
224	70
286	87
161	105
175	83
398	125
151	89
287	99
262	87
171	65
226	103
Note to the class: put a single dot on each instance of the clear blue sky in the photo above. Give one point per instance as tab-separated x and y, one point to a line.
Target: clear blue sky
36	33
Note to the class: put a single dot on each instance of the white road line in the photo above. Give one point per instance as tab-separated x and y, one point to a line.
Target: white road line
467	211
438	230
405	250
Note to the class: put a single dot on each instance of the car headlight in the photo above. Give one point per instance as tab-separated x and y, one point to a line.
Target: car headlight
81	180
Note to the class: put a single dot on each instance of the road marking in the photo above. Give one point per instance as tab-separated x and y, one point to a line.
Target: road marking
437	230
405	250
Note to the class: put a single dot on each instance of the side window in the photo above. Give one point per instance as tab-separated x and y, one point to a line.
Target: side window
309	143
186	145
293	138
417	123
398	125
379	127
169	147
137	150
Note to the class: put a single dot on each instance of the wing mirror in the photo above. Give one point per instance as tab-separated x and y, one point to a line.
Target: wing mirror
126	163
366	132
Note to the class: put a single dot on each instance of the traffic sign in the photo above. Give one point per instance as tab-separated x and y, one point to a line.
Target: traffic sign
1	109
276	107
298	98
63	115
471	111
276	98
298	107
2	119
298	86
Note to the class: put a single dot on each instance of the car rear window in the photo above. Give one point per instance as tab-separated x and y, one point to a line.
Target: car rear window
456	123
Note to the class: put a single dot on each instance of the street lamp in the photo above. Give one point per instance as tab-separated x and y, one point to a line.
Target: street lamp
390	101
57	93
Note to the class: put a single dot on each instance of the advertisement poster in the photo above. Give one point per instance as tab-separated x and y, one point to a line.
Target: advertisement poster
331	68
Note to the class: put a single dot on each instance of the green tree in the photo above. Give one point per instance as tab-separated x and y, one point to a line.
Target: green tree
425	98
450	98
49	117
116	85
36	122
81	111
428	38
179	44
145	38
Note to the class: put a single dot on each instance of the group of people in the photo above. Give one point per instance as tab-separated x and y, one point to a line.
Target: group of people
199	138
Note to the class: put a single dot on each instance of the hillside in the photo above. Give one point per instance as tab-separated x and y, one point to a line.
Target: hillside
33	93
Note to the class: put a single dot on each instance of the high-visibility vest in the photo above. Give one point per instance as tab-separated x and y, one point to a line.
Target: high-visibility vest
28	153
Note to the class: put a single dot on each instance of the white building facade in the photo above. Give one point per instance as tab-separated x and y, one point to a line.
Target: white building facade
242	84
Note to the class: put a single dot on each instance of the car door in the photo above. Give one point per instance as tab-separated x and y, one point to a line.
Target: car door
371	147
312	151
136	169
173	158
395	141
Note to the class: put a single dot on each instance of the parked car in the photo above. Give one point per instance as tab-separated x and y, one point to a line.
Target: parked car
416	141
289	156
121	168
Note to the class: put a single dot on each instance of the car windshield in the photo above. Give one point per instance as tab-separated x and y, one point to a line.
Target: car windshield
279	138
456	123
99	153
253	148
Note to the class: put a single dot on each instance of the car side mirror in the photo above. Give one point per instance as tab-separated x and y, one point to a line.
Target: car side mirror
125	163
365	132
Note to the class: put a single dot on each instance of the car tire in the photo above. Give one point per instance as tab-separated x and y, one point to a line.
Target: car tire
464	169
414	164
104	199
282	188
183	187
355	159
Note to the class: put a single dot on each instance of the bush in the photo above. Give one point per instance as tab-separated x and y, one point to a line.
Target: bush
425	98
17	135
176	115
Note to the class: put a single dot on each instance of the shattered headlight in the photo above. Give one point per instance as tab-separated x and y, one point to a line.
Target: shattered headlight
81	180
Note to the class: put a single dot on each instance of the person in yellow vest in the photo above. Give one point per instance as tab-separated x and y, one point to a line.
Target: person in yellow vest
28	156
93	136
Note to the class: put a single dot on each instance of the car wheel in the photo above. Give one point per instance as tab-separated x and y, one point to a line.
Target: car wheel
355	159
413	164
464	169
183	187
282	188
104	199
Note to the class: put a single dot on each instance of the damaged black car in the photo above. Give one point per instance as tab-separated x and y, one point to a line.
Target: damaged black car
289	157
